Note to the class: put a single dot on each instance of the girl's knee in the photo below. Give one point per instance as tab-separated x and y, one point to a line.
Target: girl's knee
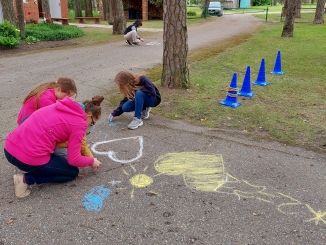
74	172
139	92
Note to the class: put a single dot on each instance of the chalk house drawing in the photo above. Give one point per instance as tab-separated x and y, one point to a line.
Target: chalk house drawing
112	154
93	201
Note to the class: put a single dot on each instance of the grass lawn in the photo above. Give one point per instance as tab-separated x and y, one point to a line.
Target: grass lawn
291	109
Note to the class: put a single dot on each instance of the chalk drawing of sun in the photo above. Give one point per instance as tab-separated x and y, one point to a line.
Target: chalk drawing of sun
138	180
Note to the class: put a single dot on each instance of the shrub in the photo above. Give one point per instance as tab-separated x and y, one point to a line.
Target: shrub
191	13
8	30
9	42
260	2
53	32
31	40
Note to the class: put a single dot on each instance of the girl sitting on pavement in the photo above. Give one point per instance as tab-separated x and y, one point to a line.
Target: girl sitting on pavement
130	34
30	146
46	94
140	94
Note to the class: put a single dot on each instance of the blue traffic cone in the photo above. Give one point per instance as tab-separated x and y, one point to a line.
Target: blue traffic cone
231	98
246	88
278	66
261	79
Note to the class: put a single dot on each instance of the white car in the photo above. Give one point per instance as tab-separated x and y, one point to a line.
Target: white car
215	8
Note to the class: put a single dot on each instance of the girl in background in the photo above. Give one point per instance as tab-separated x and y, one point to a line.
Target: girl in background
46	94
30	146
140	95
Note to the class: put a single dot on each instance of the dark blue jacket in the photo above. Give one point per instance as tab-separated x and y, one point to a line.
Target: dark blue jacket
148	88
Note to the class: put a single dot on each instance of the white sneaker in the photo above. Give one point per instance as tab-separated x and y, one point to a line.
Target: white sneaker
135	123
21	189
145	113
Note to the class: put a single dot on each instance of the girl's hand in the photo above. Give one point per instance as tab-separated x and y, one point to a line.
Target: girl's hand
110	117
142	40
96	163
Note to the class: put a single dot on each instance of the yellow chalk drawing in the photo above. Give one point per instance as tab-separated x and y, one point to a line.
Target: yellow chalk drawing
138	180
141	181
319	215
295	202
200	171
205	172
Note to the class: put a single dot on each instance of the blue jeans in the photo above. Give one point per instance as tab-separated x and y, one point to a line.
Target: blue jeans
56	170
140	102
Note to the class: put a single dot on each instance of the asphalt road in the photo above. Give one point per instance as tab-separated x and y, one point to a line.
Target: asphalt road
167	182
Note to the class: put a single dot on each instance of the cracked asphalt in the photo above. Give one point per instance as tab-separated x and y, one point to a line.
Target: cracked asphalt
166	182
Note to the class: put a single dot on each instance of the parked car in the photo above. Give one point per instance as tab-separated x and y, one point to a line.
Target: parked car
215	8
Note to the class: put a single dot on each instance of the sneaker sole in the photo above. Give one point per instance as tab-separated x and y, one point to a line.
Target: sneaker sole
147	115
19	195
141	124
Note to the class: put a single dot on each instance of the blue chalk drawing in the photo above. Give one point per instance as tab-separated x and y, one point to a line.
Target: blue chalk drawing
94	199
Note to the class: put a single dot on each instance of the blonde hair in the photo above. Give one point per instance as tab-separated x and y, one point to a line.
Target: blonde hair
127	83
94	106
67	86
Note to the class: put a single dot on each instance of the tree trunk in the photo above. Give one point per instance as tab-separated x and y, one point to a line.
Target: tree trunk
119	20
288	26
46	9
206	4
88	8
110	10
77	8
284	8
175	48
8	11
94	5
319	16
298	11
20	17
107	11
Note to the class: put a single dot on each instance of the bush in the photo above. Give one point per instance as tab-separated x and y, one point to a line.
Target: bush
53	32
8	30
31	40
260	2
9	42
191	13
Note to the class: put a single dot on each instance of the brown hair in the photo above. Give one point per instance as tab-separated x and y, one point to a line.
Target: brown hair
67	86
127	83
94	106
138	22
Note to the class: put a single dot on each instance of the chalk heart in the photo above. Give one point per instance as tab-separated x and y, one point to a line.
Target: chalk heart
200	171
112	155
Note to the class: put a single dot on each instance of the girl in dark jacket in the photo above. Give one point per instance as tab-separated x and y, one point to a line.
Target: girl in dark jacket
140	94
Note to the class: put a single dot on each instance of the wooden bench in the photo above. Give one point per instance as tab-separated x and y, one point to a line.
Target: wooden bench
64	21
81	19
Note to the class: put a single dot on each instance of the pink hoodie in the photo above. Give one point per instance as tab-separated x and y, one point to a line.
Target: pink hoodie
46	98
36	138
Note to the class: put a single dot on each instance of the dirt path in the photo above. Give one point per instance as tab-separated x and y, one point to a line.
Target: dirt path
202	34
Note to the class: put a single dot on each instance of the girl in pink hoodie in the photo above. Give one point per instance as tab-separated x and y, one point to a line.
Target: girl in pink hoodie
30	146
46	94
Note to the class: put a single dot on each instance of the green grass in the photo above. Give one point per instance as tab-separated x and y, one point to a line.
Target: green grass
290	109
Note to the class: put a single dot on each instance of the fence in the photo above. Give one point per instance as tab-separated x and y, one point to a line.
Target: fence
302	10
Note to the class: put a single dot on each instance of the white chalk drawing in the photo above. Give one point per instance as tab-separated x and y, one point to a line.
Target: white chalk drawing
114	182
153	43
112	154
